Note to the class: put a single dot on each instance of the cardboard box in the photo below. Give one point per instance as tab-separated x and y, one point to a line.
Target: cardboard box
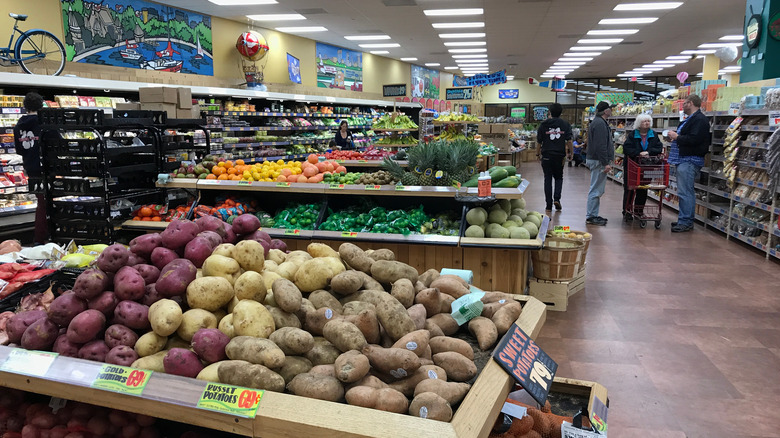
499	128
556	293
483	128
184	97
169	108
158	95
128	106
189	113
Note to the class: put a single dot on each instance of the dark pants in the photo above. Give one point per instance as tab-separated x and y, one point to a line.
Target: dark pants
638	198
41	234
553	168
578	159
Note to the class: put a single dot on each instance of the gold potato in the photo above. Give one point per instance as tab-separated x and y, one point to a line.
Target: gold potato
209	293
250	286
251	318
221	266
210	373
316	273
226	326
153	362
225	249
321	250
194	320
165	316
250	255
149	344
277	256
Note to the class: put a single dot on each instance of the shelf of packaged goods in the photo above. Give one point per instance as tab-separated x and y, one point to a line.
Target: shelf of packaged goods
758	128
755	112
697	186
423	239
10	190
712	224
19	209
750	183
775	253
776	231
665	116
752	203
277	114
749	240
671	191
720	193
718	142
750	223
309	140
754	145
719	158
718	208
756	164
255	145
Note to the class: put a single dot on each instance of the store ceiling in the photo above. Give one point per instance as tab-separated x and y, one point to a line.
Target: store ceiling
523	36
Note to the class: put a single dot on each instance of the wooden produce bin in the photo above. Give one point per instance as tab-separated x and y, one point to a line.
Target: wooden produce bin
282	415
556	294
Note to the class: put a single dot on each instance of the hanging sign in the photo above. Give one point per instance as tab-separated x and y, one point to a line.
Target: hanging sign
480	80
509	94
396	90
528	364
459	93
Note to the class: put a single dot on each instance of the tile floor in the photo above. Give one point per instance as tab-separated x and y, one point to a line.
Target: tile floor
682	329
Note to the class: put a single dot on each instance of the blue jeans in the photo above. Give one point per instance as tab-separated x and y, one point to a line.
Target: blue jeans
687	173
598	181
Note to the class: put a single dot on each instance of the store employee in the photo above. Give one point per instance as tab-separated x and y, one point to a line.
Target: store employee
344	137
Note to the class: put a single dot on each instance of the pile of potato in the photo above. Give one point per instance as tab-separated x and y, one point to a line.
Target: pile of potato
347	325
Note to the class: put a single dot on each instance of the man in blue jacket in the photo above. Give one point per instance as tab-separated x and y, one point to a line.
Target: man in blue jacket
690	143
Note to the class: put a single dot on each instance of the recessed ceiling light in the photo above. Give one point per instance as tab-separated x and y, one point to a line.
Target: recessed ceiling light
408	59
379	45
276	17
613	32
432	64
647	6
453	12
697	52
583	49
481	55
582	54
465	43
732	38
302	29
367	37
718	45
473	24
600	41
451	68
574	59
642	20
379	52
481	50
243	2
462	35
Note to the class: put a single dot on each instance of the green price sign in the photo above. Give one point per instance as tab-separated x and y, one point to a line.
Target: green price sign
292	232
374	187
121	379
229	399
282	184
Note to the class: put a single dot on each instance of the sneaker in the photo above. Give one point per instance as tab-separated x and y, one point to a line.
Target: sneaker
558	205
677	228
596	221
603	218
674	224
548	208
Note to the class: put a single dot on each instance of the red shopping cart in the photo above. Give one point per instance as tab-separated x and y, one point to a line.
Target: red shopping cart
643	174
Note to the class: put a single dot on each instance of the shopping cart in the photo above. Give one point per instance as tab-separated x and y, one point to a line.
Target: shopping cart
642	174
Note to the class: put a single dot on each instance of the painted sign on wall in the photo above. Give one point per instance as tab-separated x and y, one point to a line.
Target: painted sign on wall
339	68
509	94
425	82
137	34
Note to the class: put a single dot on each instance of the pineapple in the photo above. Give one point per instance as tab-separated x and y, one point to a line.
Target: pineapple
461	157
398	172
426	156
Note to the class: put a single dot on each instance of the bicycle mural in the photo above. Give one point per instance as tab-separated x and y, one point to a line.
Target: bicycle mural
137	34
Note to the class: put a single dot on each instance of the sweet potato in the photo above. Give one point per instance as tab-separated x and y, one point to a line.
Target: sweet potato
419	286
249	255
485	331
129	284
453	392
182	362
198	250
106	302
145	244
388	272
132	314
161	256
446	303
459	368
316	320
64	308
430	298
175	277
323	370
179	232
150	273
113	258
121	355
446	322
356	257
165	316
209	293
425	372
94	350
394	317
322	353
346	283
65	348
418	314
490	309
91	283
117	334
416	342
497	297
368	323
294	365
451	285
351	366
344	335
40	335
85	326
319	387
210	223
506	316
385	399
209	345
431	406
293	341
403	291
434	329
442	344
245	224
243	373
394	361
287	295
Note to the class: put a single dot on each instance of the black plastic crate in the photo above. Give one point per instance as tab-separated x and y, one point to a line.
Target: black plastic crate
76	186
136	116
48	117
80	209
82	231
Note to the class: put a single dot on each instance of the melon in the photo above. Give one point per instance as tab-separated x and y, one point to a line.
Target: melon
533	219
517	203
533	230
519	233
516	218
475	231
505	205
497	216
476	216
510	224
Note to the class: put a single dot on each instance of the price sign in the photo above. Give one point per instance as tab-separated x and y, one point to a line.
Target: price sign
340	161
209	181
292	232
400	188
229	399
562	229
528	364
734	109
122	379
774	118
374	187
351	234
282	184
245	183
362	161
336	186
31	363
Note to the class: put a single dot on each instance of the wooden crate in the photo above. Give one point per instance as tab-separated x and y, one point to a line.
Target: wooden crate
504	270
556	293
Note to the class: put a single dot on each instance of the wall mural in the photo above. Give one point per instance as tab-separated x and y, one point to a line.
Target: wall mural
339	68
137	34
425	82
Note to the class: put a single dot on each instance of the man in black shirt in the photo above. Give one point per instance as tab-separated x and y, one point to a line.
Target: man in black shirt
27	134
555	144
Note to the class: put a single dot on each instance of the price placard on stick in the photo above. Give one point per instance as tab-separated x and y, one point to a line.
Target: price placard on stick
528	364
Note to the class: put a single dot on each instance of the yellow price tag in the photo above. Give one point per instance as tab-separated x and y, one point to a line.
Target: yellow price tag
229	399
121	379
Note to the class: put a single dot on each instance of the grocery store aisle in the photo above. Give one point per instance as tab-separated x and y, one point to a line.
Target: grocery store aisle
682	329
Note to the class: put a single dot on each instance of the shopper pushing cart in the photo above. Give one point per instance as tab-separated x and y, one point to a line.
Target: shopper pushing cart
643	167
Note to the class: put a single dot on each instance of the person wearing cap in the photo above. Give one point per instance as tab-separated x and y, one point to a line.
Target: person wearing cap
601	153
690	143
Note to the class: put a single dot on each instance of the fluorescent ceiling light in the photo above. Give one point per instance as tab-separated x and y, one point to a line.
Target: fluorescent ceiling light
600	41
243	2
408	59
451	68
627	75
302	29
475	69
733	67
379	45
481	55
718	45
464	43
574	59
732	38
379	52
367	37
453	12
552	76
642	20
468	75
584	49
432	64
462	35
479	50
678	58
510	78
697	52
473	65
276	17
613	32
647	6
672	61
582	54
657	65
466	61
569	63
473	24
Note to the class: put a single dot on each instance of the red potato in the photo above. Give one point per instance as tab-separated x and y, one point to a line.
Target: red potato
40	335
245	224
95	350
151	295
17	324
182	362
162	256
133	315
230	235
98	425
149	273
208	223
105	303
65	347
58	432
129	284
113	258
91	283
135	259
212	236
278	244
209	344
175	277
64	308
179	232
258	236
198	250
144	245
118	334
85	326
121	355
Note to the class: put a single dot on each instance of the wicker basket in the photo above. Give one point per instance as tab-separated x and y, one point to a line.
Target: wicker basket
585	240
558	260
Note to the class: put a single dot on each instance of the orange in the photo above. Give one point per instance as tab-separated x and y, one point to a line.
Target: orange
240	162
222	177
156	219
146	219
145	212
228	163
211	176
232	171
312	159
137	218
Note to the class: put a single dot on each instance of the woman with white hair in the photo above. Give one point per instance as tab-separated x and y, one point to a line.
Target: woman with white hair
641	141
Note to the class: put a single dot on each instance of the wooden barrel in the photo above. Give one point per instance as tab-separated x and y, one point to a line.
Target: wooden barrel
558	260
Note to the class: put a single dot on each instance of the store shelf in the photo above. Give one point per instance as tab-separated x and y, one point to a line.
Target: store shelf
367	163
618	154
538	242
749	240
719	142
425	239
21	209
755	145
758	128
750	223
461	122
718	208
277	114
752	203
698	186
775	253
179	183
272	128
756	164
718	176
721	193
255	145
720	127
396	130
750	183
719	158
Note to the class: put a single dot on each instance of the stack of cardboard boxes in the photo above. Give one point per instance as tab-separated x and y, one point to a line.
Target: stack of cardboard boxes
498	134
176	102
